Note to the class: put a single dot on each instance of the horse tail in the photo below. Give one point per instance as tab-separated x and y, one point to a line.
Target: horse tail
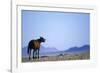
28	50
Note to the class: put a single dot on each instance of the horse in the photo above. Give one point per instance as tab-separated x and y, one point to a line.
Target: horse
35	46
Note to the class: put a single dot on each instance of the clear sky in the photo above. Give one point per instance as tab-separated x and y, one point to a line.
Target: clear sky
61	30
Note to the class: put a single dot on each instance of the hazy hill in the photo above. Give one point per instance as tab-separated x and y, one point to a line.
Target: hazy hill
46	51
79	49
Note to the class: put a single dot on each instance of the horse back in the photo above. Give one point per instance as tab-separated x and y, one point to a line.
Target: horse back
34	44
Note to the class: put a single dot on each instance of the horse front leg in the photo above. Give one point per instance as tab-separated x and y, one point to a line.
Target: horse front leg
38	53
33	54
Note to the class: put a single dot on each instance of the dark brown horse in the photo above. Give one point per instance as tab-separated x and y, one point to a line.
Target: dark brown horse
35	46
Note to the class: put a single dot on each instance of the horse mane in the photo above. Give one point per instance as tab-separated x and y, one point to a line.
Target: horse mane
36	44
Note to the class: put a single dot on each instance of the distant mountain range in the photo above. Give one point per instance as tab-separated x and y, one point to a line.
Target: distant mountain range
54	51
79	49
48	49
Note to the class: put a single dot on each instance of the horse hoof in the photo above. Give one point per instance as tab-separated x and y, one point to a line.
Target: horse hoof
29	59
33	57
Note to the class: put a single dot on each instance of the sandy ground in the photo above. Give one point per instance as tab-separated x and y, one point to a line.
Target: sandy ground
61	57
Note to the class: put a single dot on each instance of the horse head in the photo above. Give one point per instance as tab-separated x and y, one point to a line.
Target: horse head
42	39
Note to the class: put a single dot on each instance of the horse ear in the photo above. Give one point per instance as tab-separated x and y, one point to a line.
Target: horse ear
40	37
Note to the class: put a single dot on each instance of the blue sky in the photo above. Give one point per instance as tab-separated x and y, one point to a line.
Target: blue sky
61	30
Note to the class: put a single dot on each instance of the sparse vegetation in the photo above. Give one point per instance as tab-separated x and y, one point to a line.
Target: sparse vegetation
60	57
